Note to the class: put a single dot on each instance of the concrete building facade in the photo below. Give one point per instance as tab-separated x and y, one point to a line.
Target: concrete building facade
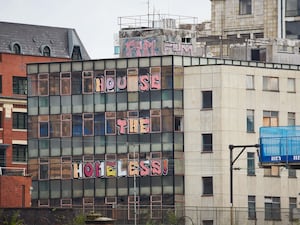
153	133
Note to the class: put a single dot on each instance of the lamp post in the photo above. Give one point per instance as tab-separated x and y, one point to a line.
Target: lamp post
232	161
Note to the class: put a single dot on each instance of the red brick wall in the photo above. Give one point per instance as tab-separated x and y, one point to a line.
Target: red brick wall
15	65
15	191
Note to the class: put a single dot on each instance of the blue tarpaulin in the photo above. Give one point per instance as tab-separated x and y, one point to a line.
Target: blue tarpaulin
280	144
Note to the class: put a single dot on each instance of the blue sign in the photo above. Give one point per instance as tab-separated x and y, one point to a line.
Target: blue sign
279	145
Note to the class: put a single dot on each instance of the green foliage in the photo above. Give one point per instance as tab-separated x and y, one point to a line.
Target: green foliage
79	219
13	220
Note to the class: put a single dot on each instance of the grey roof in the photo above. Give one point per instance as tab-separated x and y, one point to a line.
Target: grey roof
33	38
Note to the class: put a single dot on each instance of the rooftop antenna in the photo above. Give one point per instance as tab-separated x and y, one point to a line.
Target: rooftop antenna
148	4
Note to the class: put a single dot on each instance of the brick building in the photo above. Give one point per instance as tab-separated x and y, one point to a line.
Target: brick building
21	44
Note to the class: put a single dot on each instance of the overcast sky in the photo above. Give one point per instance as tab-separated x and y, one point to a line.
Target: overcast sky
96	21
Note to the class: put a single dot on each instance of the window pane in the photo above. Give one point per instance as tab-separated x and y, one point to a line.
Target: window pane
250	163
249	82
250	120
207	185
207	99
207	142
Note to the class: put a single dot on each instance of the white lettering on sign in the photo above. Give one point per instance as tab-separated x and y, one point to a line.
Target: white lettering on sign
296	157
275	158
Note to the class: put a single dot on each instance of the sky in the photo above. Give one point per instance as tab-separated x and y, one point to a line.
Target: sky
96	21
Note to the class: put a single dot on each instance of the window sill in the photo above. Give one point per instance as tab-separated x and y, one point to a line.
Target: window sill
207	195
206	152
206	109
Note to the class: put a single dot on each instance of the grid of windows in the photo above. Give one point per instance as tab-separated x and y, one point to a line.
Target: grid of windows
95	113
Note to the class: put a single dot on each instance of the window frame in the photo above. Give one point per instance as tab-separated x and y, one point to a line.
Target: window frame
272	208
250	164
20	85
250	82
17	149
207	186
270	118
207	142
270	83
20	120
244	7
251	207
250	123
207	100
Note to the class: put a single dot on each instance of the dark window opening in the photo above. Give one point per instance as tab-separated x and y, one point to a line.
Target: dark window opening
46	51
207	185
76	54
19	120
20	85
258	54
16	49
207	99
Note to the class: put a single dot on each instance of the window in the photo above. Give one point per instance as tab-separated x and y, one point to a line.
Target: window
44	169
270	118
292	8
87	78
245	7
291	85
251	207
207	222
19	120
76	54
20	153
16	49
65	83
270	83
20	85
88	123
206	99
291	119
272	208
44	126
250	120
207	185
292	173
43	84
249	82
258	54
292	205
292	30
207	143
46	51
250	164
156	206
178	123
272	171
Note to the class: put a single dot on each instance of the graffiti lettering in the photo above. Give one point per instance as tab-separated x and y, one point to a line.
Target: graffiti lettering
120	168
